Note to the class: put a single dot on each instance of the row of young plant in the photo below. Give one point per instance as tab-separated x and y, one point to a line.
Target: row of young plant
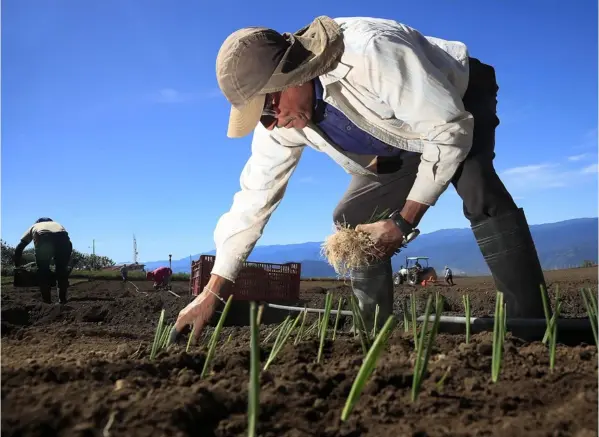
372	342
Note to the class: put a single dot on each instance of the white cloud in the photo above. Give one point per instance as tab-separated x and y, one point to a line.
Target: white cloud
534	177
578	157
588	141
513	111
171	95
544	176
306	180
590	169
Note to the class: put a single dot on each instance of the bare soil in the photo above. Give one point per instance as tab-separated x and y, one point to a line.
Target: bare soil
83	369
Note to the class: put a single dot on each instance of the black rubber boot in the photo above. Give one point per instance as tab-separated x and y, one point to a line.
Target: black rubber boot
46	296
373	285
62	296
510	253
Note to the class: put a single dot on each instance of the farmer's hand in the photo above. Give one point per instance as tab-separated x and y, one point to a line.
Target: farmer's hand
385	233
201	309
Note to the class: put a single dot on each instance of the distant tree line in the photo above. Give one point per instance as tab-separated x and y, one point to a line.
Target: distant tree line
79	260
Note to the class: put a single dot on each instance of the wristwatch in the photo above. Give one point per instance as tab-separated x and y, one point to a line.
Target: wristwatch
409	232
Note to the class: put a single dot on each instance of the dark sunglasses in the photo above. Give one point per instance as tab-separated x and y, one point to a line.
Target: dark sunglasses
269	107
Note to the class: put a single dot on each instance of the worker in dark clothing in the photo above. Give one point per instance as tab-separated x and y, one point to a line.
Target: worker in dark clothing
448	276
124	272
51	240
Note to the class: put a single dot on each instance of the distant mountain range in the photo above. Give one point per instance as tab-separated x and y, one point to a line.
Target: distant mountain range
560	245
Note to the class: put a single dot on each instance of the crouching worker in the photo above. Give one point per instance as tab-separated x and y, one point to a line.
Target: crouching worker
50	240
161	276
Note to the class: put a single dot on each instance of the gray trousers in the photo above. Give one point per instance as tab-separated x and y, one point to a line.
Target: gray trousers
476	181
482	192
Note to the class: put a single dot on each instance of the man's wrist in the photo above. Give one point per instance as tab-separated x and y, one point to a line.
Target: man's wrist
412	212
217	283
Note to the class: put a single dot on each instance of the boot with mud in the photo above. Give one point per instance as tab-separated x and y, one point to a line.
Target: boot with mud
46	295
509	251
62	296
372	286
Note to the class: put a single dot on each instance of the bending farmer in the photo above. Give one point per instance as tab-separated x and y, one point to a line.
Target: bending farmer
161	277
404	114
51	240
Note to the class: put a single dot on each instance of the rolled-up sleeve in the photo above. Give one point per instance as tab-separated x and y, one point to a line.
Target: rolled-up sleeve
401	75
263	184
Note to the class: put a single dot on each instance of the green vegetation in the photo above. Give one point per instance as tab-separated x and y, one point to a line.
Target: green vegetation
215	337
254	383
368	366
78	260
423	350
468	313
590	302
499	330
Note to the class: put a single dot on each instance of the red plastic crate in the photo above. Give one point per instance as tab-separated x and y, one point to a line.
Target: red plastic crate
256	281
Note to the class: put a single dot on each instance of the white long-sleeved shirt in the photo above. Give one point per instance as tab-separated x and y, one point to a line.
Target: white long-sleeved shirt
401	87
37	229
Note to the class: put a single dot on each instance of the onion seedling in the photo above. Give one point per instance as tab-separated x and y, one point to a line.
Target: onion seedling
281	339
254	383
358	321
443	378
298	337
546	312
260	312
313	327
466	300
215	336
553	339
157	336
362	324
324	325
367	367
499	326
413	314
376	320
190	337
423	353
276	330
406	323
590	302
164	340
337	318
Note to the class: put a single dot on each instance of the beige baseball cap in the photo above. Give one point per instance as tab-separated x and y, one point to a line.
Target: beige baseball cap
244	65
255	61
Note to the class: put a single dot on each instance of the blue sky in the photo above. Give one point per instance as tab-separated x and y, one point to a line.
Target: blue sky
113	124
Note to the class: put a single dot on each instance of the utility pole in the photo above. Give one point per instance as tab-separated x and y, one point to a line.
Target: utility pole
135	253
94	263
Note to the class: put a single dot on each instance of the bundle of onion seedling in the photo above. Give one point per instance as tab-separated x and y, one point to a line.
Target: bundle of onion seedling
347	249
